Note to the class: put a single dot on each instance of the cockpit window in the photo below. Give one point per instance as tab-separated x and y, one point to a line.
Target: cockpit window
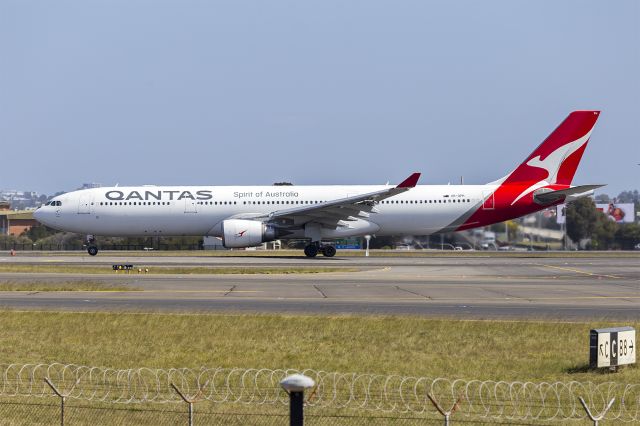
58	203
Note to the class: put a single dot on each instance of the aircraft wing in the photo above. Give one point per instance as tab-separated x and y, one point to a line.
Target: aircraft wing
339	212
550	196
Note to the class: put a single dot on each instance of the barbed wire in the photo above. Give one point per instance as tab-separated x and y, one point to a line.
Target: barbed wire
400	394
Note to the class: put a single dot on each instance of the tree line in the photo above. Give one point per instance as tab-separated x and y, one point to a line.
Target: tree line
593	230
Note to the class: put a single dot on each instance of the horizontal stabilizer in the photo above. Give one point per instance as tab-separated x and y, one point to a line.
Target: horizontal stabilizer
547	196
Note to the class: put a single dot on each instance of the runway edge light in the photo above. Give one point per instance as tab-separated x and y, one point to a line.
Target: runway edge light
612	347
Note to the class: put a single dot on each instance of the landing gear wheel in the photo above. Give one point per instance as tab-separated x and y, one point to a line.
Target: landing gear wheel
329	251
93	250
311	250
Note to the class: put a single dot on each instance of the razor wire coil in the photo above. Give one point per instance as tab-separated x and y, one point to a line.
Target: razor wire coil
488	399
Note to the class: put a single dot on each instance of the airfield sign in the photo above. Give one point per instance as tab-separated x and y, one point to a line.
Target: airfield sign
612	347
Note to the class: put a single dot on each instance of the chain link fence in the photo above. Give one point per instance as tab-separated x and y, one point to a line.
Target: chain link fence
45	393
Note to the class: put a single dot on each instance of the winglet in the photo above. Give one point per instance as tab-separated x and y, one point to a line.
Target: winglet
409	182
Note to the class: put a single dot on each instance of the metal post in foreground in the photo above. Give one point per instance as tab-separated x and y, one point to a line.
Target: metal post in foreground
62	398
295	385
596	419
446	414
190	401
367	239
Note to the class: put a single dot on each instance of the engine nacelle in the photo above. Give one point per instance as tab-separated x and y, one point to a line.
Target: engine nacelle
237	233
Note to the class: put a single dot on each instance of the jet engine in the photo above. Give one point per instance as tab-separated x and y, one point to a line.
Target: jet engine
238	233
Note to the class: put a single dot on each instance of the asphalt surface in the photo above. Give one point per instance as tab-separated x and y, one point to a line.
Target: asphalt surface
457	287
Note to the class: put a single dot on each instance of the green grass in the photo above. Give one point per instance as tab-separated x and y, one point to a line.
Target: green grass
81	269
498	350
80	285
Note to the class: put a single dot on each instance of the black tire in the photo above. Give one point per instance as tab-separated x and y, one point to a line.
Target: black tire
329	251
311	250
92	250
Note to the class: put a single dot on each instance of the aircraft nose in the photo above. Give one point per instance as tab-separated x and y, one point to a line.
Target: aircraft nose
40	216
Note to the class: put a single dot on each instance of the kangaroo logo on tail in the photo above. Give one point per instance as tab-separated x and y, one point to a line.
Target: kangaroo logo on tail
552	163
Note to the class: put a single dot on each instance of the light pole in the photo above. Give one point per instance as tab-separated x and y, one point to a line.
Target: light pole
295	385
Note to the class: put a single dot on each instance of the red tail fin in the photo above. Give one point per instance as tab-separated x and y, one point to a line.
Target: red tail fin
551	165
555	161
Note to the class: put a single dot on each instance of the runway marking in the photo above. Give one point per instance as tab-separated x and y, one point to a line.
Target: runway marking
324	296
578	271
412	292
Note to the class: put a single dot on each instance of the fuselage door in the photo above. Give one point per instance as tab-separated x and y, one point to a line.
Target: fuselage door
488	203
84	204
190	206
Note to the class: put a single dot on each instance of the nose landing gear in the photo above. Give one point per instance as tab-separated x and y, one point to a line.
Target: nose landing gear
91	245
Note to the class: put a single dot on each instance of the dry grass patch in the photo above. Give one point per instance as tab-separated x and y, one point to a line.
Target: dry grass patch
537	351
79	285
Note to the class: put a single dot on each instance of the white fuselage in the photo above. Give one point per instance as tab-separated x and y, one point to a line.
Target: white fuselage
198	211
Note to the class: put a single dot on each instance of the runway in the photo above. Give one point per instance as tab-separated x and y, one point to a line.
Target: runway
489	287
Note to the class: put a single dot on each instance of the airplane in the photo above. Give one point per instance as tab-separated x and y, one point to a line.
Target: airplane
246	216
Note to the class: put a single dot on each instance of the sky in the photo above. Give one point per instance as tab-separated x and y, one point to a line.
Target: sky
134	92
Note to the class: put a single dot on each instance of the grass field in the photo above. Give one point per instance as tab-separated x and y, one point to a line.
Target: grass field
499	350
155	269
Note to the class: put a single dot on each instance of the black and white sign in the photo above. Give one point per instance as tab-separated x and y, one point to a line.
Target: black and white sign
611	347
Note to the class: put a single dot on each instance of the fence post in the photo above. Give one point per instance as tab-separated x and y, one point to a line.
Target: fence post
295	385
190	401
596	419
62	398
446	414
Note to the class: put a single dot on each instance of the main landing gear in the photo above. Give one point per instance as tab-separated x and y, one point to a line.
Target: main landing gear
91	245
314	248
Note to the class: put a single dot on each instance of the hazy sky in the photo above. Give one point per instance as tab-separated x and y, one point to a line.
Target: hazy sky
314	92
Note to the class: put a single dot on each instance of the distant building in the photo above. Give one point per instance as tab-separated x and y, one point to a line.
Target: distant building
90	185
13	195
15	222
